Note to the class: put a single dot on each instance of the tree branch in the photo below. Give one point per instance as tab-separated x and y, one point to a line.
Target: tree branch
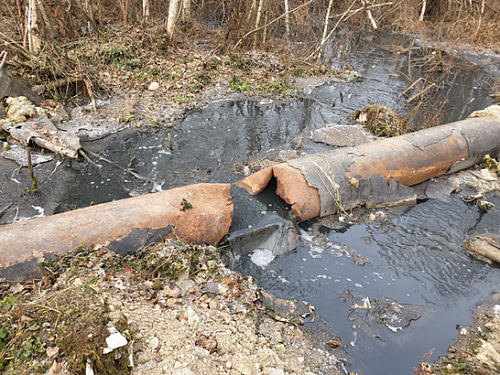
273	21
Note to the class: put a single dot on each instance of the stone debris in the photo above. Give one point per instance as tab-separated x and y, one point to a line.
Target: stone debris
342	135
477	348
154	86
485	247
213	324
492	112
114	340
46	135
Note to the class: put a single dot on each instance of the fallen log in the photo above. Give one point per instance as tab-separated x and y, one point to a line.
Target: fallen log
199	213
378	173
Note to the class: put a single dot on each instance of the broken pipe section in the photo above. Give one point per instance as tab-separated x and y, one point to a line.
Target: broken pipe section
379	173
199	213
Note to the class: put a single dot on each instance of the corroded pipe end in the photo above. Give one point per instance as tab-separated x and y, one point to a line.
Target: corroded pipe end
292	187
294	190
257	182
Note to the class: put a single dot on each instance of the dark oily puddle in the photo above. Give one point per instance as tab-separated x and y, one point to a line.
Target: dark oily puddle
209	146
393	288
462	84
417	270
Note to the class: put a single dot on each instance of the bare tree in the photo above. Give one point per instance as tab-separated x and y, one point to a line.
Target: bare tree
257	22
33	34
287	23
173	11
186	12
145	10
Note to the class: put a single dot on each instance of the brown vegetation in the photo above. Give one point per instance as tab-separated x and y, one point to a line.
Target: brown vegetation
33	27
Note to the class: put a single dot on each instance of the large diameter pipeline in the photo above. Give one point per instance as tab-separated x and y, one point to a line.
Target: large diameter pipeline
377	173
200	213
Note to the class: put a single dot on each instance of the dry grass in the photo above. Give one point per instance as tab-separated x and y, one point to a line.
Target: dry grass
223	23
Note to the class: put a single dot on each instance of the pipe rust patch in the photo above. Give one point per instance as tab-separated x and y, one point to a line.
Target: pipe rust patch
200	213
294	190
257	182
399	160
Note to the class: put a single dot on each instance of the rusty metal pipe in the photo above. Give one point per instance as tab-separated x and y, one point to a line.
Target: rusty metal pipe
380	172
200	213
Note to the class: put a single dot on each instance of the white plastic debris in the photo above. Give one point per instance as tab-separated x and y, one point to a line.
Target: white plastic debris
88	369
114	340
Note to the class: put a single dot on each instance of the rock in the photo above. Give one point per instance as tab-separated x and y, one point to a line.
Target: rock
153	86
488	355
156	357
274	371
146	367
285	311
276	338
243	368
173	293
154	344
206	342
394	315
280	348
492	112
485	247
187	286
341	135
211	288
137	347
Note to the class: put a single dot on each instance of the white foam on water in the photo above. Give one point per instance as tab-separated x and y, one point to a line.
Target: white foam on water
262	257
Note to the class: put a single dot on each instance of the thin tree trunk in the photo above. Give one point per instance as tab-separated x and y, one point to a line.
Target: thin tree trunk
127	3
323	38
287	23
46	20
257	21
480	17
369	14
424	5
20	16
173	10
145	10
254	4
99	10
34	41
186	12
264	32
